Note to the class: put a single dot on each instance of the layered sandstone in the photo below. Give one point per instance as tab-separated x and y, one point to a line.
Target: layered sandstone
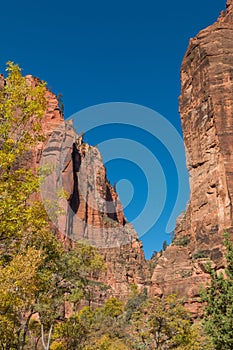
89	207
206	109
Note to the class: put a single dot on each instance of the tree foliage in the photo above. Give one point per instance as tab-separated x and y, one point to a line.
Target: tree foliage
162	323
154	324
89	328
37	276
21	109
218	298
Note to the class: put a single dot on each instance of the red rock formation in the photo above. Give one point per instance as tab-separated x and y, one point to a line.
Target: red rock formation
206	108
91	209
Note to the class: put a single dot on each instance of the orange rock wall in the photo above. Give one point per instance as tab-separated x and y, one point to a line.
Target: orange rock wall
206	109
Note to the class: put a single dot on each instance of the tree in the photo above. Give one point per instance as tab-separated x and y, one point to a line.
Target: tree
65	280
37	275
218	299
89	328
21	109
71	334
22	106
107	343
113	308
168	322
164	323
135	304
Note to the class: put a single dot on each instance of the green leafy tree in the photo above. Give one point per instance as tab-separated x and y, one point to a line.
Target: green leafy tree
164	323
218	298
89	328
108	343
168	322
107	321
65	280
18	285
135	304
71	334
113	308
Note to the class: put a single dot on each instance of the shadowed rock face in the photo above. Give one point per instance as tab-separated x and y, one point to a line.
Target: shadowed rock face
91	209
206	109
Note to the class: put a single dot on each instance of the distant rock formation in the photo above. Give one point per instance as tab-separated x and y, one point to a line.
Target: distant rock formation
206	109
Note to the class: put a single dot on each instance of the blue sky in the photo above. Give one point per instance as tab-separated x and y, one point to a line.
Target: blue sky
97	52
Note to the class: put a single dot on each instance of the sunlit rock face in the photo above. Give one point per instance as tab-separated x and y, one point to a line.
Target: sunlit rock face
206	109
92	210
89	208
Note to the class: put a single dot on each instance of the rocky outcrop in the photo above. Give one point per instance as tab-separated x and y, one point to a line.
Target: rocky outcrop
91	209
83	205
206	109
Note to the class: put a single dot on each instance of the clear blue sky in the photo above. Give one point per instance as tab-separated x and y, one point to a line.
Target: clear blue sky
95	52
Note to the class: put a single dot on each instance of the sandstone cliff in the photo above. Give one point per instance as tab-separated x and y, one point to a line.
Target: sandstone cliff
206	109
91	209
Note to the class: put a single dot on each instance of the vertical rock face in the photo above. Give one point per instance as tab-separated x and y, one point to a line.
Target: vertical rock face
82	204
206	108
91	209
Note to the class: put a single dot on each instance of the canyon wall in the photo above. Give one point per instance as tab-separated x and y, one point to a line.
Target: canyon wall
92	209
89	208
206	109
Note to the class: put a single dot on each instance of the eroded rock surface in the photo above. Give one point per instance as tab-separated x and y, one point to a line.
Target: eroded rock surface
91	209
206	109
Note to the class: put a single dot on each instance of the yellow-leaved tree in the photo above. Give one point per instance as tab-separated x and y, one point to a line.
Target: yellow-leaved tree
36	274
